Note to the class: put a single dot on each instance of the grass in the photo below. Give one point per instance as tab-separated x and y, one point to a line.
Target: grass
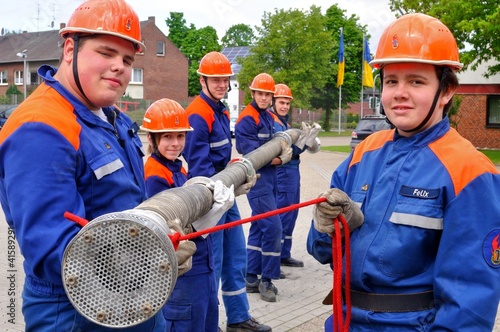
493	155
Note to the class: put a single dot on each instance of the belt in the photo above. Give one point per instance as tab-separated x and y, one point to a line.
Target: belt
388	302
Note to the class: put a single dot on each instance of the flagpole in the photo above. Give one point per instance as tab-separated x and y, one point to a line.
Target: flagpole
340	105
362	73
340	86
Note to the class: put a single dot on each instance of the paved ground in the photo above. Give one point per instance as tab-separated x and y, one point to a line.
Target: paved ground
298	308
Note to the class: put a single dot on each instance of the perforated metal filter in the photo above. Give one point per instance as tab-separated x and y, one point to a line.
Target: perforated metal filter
120	269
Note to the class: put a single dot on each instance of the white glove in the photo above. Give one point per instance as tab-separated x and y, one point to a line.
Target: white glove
313	133
337	202
184	253
286	152
301	141
223	200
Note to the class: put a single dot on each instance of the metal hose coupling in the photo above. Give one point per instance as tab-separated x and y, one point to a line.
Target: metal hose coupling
315	147
284	135
247	163
120	269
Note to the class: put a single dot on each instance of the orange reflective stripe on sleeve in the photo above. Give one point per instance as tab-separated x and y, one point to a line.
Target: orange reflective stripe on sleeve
47	106
376	141
462	161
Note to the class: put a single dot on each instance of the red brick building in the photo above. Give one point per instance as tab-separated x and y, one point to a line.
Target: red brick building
161	71
478	118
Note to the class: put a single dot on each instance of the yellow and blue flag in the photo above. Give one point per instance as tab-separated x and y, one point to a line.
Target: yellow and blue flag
367	70
340	77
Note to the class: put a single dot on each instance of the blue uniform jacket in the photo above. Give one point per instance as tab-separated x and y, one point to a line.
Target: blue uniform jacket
57	156
432	222
162	174
254	128
285	184
208	147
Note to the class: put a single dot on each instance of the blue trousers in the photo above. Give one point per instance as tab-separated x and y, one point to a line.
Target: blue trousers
230	262
193	304
288	193
264	238
45	312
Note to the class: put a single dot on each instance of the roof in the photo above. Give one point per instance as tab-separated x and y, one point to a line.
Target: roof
233	53
39	46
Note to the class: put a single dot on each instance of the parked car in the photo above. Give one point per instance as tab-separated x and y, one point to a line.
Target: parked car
5	114
367	126
232	123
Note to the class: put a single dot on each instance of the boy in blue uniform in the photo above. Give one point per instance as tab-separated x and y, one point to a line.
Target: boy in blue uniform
208	151
288	175
67	149
254	128
420	201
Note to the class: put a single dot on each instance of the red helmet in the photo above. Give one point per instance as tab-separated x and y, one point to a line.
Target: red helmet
283	91
165	115
417	38
263	82
215	64
108	17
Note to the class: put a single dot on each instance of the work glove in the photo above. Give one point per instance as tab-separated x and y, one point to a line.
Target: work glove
176	226
184	253
313	133
185	250
245	187
251	178
301	141
286	152
223	201
337	202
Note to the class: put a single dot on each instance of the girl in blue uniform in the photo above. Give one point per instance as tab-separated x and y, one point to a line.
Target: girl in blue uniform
420	200
193	304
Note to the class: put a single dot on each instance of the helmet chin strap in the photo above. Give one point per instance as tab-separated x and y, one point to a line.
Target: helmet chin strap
76	39
431	110
205	78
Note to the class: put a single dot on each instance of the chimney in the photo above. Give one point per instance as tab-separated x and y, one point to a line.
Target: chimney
62	25
151	19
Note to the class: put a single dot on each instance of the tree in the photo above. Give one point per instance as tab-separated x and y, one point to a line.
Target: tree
327	97
177	28
474	23
197	43
238	35
193	43
294	48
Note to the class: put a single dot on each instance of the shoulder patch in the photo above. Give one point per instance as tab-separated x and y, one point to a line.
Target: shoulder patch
491	248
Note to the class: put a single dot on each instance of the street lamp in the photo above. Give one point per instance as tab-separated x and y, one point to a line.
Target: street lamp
24	56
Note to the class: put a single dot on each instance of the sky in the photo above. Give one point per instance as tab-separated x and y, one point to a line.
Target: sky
37	15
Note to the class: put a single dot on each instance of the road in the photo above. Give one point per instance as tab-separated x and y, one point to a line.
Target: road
298	307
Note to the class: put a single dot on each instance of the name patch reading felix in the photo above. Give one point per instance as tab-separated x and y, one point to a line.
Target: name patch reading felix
419	192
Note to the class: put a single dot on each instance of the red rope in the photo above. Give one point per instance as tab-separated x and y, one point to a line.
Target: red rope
252	218
338	323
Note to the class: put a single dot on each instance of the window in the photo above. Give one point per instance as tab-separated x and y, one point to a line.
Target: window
3	77
493	112
34	79
18	77
136	76
160	48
